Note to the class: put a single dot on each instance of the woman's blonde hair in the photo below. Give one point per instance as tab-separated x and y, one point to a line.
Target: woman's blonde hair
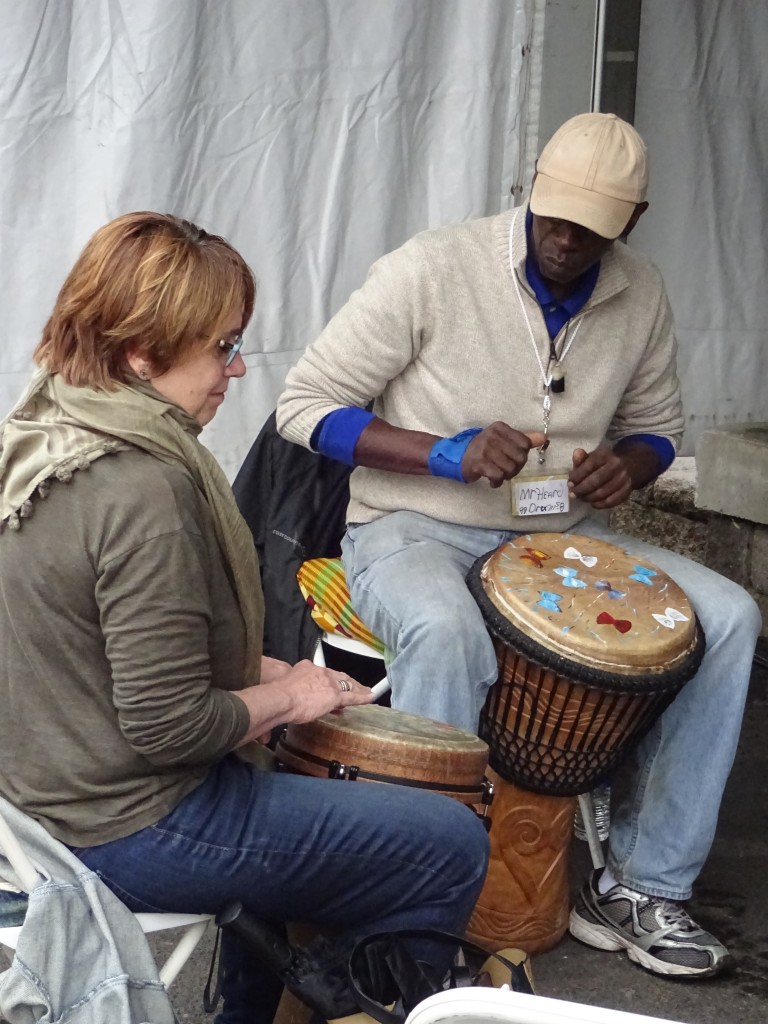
146	281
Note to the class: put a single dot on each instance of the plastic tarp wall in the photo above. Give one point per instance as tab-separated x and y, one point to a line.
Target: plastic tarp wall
702	106
314	135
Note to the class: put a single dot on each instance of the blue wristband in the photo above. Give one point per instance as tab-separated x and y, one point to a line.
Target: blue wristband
663	447
446	454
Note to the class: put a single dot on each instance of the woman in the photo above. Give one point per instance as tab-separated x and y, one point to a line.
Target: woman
131	621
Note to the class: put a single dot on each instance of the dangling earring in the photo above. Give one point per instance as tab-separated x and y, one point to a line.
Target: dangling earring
144	373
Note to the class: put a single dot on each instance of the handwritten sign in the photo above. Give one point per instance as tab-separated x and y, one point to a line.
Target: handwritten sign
540	495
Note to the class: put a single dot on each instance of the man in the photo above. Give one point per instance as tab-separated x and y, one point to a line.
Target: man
526	342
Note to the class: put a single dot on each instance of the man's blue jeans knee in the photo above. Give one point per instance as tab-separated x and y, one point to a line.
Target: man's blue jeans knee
406	574
406	577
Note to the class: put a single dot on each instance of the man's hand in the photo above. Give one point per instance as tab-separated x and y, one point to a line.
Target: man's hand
498	453
605	478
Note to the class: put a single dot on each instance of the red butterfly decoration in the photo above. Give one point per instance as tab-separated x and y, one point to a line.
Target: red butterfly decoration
535	557
623	625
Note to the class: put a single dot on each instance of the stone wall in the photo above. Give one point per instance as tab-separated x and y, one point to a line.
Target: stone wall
666	513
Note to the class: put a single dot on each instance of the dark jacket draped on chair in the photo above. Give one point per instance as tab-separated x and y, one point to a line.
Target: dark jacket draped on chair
294	502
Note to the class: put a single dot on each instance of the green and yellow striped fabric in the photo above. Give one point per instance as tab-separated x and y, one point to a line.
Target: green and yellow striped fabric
324	587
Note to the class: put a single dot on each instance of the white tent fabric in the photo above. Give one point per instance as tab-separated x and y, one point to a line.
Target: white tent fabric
702	106
314	134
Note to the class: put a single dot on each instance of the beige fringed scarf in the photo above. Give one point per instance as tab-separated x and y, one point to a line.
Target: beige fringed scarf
56	429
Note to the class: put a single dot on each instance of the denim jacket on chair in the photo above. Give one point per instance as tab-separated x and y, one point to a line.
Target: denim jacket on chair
81	957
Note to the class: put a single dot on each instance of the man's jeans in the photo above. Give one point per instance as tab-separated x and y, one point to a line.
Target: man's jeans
406	576
355	857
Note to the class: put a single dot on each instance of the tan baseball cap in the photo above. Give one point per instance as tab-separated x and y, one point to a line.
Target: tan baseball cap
593	172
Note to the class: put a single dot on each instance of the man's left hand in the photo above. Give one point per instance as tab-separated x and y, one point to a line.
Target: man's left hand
600	478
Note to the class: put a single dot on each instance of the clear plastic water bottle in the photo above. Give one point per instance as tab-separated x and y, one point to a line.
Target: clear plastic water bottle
601	797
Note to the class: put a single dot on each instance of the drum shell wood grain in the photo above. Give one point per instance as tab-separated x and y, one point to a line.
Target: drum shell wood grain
525	901
562	736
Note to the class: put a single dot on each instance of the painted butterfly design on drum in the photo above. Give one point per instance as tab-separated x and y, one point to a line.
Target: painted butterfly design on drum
535	557
622	625
610	589
549	602
587	560
670	617
642	575
570	577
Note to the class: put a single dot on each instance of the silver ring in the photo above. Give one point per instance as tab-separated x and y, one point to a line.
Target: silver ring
344	685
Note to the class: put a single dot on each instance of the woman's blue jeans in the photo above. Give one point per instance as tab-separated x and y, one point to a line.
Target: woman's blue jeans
355	858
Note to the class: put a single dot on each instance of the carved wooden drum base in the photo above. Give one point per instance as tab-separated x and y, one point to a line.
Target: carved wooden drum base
525	899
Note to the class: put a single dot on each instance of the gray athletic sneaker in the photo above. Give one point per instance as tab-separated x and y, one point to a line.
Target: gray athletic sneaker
656	933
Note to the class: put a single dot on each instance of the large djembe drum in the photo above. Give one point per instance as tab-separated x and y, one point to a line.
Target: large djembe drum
592	644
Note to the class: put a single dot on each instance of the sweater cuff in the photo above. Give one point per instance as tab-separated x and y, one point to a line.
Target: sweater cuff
663	447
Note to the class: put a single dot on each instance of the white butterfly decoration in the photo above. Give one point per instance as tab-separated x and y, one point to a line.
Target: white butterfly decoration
588	560
670	617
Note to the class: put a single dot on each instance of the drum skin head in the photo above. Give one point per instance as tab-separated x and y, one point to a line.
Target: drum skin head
591	602
400	728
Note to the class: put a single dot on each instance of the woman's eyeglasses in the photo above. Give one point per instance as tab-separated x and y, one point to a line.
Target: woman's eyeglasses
231	347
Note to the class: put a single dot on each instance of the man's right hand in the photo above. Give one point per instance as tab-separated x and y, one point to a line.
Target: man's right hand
498	453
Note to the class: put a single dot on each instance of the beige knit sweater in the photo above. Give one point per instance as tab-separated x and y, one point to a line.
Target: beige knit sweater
437	337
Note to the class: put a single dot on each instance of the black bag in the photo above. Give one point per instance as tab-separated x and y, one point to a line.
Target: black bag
382	976
388	981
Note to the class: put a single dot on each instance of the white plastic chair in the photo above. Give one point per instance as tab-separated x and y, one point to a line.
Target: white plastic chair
350	646
502	1006
194	925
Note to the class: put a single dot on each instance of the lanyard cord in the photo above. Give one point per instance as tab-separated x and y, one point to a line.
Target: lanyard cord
567	342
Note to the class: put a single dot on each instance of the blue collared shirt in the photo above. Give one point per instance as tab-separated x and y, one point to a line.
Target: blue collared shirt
557	312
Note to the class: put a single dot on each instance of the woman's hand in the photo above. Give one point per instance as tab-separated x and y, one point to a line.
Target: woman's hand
299	693
272	669
314	691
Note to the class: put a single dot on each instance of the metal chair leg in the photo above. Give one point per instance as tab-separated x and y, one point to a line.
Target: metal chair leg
587	807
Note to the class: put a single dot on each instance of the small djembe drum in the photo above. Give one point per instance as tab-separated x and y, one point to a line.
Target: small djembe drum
592	645
368	743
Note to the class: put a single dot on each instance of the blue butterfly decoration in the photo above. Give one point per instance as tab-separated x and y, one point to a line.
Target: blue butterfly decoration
610	589
549	602
570	577
642	575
